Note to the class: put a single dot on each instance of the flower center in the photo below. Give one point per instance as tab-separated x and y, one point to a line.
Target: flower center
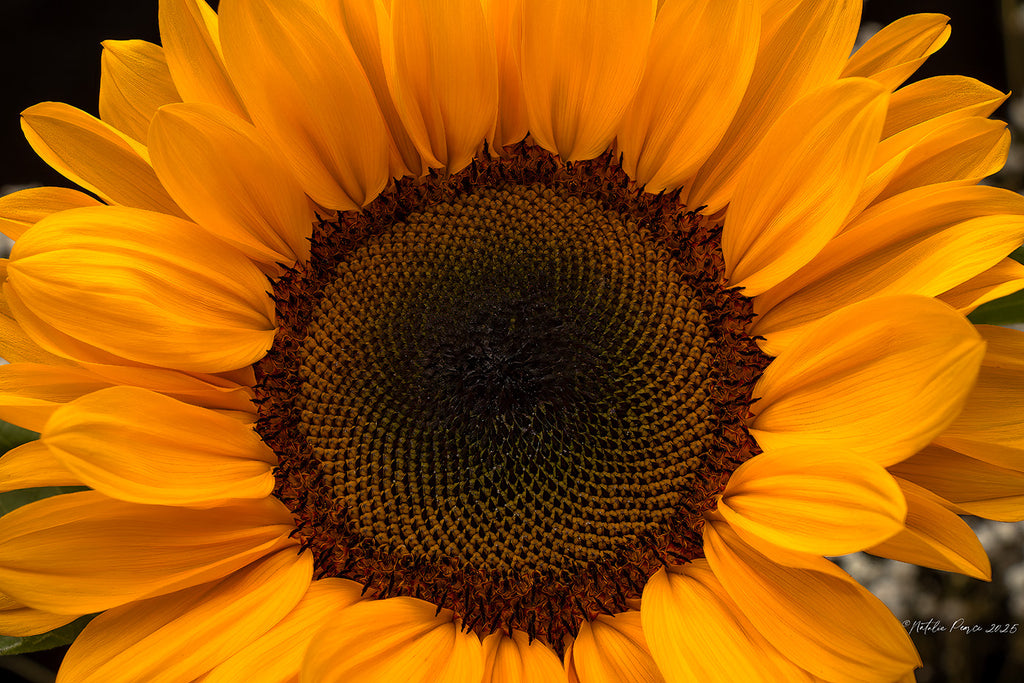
512	392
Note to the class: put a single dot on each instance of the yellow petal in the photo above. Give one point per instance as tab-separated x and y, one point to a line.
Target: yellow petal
940	99
578	81
700	60
397	639
310	96
134	83
190	34
881	377
696	632
505	20
800	182
22	209
515	659
612	649
807	50
276	656
18	620
819	618
192	456
83	552
258	207
980	488
15	344
443	77
1002	279
813	501
144	286
31	465
96	156
935	537
894	53
181	636
924	241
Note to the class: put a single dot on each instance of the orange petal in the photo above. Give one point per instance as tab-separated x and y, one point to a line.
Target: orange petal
134	83
505	20
22	209
83	552
443	77
519	659
397	639
935	537
819	618
807	50
578	83
310	96
180	636
807	500
144	286
31	465
190	34
18	620
700	60
96	156
799	184
276	656
894	53
258	207
939	100
881	377
190	456
1002	279
612	649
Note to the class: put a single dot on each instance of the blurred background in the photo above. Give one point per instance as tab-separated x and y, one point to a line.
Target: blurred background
50	50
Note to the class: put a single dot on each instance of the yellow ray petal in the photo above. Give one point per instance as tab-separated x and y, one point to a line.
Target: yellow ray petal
18	620
578	83
700	60
258	207
22	209
515	659
107	552
96	156
696	632
882	377
134	83
310	96
181	636
190	34
144	286
980	488
807	500
276	656
189	456
443	76
31	465
935	537
941	99
820	619
505	20
797	187
1002	279
612	649
894	53
807	50
397	639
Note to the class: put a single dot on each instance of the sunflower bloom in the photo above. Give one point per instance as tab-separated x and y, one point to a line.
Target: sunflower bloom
505	341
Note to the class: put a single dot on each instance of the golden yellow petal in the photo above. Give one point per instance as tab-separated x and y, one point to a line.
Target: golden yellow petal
820	618
894	53
813	501
22	209
191	39
578	83
18	620
881	377
144	286
180	636
1002	279
31	465
96	156
698	66
807	50
276	656
612	649
397	639
515	659
940	99
505	20
108	552
797	187
134	83
310	96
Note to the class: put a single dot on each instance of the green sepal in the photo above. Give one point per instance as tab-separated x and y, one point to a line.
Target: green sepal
1008	310
13	435
12	500
16	645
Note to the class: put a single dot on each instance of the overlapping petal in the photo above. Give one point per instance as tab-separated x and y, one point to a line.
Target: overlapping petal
134	83
612	649
517	658
31	465
20	210
505	20
895	52
18	620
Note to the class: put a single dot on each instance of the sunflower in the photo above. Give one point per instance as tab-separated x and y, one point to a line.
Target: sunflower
512	340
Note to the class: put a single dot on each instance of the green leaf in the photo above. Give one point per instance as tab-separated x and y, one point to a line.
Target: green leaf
12	435
15	645
1006	311
15	499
